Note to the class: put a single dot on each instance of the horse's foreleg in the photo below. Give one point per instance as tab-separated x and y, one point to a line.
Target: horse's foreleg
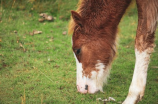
144	46
137	87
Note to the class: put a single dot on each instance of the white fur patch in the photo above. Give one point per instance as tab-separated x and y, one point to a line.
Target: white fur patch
102	74
138	84
79	69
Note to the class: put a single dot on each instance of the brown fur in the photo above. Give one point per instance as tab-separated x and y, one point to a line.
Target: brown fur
147	22
110	8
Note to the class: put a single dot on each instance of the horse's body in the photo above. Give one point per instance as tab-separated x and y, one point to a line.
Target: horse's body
94	27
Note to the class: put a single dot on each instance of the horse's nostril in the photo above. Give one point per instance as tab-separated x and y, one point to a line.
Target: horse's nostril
86	87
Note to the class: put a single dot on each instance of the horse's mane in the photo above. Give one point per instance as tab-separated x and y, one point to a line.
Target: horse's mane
80	8
72	24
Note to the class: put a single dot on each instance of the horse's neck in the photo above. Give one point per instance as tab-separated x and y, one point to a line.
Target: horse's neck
103	12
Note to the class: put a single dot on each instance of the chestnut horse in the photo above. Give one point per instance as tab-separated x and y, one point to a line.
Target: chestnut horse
94	26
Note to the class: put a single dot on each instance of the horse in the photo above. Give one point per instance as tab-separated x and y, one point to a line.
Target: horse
94	26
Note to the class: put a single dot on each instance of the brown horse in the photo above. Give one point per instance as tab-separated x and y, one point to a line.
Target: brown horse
94	26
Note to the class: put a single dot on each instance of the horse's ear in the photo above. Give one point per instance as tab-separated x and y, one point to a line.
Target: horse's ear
77	18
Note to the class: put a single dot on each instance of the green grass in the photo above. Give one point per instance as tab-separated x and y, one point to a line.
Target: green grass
40	69
54	7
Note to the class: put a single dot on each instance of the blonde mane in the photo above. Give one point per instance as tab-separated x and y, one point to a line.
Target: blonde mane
72	23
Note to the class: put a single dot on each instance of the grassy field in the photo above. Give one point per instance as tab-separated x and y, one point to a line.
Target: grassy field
41	69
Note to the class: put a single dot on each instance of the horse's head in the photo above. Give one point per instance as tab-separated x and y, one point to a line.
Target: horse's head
94	51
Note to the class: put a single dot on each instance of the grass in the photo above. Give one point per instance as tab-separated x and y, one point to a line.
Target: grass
41	69
54	7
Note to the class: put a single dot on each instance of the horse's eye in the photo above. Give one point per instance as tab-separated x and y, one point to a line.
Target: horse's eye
78	51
